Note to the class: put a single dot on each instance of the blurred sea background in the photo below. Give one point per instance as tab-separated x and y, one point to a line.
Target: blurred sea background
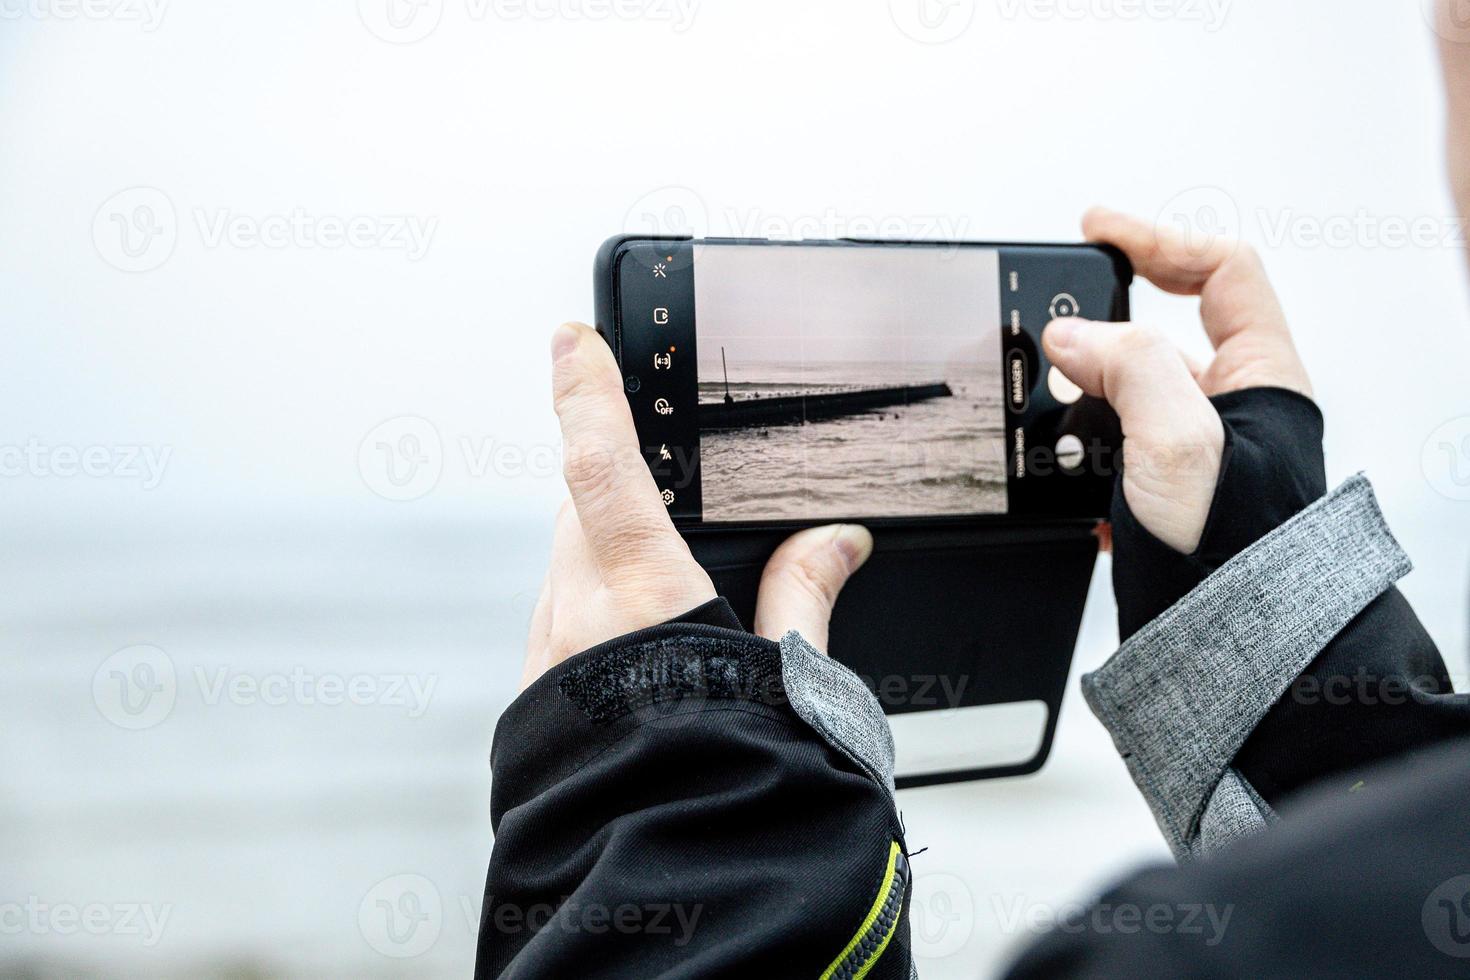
251	686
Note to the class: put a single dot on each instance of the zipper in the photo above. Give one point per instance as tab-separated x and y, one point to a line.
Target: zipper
873	936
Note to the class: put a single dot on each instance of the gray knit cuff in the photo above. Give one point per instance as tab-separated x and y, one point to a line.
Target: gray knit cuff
1183	694
833	700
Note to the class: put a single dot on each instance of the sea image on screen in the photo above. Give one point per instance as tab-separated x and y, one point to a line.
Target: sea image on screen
849	382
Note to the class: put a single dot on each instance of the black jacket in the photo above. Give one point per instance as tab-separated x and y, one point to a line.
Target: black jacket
662	807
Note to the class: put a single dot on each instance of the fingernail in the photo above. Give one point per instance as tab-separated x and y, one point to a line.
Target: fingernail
855	543
564	341
1060	333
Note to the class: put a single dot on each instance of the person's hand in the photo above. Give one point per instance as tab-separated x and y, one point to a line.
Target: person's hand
1173	436
617	564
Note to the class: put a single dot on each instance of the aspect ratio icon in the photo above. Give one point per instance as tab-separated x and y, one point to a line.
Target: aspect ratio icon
663	362
663	407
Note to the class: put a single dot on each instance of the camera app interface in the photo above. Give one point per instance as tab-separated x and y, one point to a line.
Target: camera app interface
849	381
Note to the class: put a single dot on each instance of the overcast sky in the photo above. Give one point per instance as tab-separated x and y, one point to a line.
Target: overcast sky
823	303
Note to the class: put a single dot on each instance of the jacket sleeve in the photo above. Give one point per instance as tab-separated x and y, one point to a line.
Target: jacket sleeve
1280	653
691	800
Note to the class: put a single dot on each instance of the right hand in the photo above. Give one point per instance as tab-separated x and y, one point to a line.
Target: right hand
1173	437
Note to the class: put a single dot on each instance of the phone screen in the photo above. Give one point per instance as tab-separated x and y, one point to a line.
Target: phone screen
791	382
853	381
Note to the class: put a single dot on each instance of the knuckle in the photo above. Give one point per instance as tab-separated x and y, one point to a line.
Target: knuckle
591	470
1136	338
1246	254
573	384
649	593
813	578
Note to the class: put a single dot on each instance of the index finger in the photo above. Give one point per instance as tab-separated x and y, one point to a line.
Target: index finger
622	515
1236	297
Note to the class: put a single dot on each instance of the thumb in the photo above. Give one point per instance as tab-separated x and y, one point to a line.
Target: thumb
804	576
1173	437
1136	369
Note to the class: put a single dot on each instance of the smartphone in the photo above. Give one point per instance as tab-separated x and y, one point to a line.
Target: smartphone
778	383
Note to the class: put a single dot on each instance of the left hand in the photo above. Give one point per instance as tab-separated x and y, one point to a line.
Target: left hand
617	563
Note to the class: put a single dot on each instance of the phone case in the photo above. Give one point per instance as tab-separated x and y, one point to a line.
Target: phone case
944	615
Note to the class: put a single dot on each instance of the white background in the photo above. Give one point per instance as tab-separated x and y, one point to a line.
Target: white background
523	141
